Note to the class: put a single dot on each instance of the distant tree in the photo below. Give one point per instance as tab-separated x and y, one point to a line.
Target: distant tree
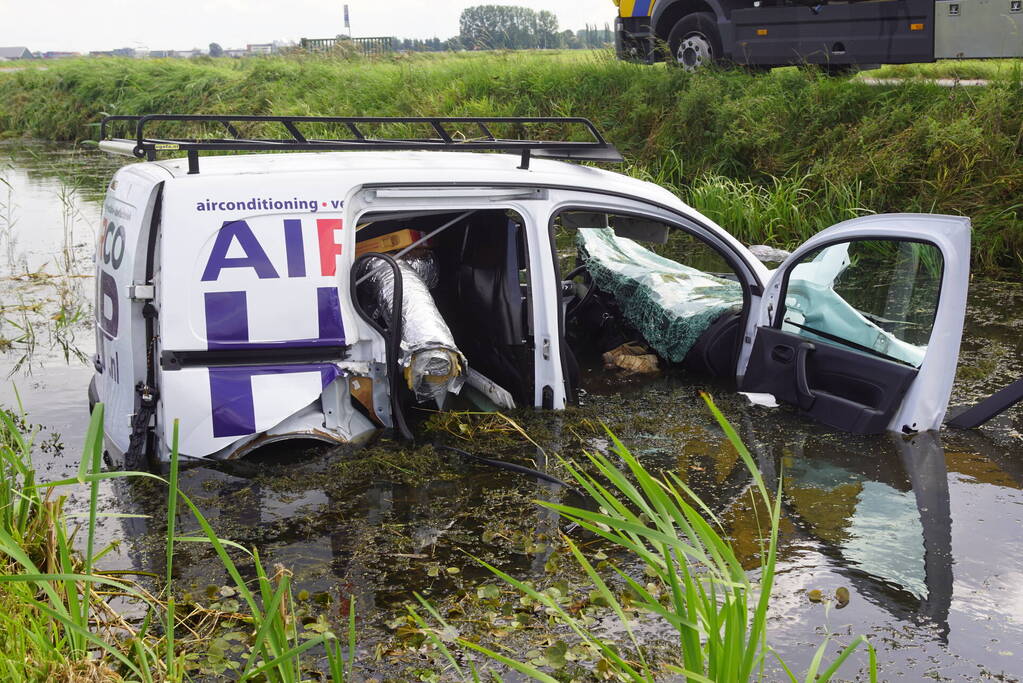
588	38
608	36
497	27
474	28
568	40
547	29
216	50
594	37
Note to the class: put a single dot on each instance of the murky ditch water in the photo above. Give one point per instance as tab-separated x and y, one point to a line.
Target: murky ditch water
925	532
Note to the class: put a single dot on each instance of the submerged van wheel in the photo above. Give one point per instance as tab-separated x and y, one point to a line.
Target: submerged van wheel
694	41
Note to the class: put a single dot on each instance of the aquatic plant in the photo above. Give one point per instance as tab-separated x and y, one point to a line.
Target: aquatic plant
58	309
53	617
692	579
7	236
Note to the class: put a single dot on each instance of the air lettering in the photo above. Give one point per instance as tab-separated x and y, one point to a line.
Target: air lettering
256	258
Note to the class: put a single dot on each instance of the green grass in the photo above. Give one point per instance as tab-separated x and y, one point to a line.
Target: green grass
57	623
951	68
773	157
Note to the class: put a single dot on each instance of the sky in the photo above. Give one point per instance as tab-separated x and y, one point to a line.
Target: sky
83	25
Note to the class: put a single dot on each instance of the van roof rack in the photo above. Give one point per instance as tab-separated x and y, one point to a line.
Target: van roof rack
145	146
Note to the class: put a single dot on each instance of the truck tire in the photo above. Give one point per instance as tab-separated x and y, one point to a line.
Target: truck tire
695	42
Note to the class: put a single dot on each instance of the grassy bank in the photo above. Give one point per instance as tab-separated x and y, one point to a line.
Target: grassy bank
773	157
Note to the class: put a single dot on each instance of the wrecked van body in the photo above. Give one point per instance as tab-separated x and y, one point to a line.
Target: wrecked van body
260	297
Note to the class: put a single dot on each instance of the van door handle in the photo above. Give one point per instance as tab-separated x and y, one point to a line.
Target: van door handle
782	354
805	397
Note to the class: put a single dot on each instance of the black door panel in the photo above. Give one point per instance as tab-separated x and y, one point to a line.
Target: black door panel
842	388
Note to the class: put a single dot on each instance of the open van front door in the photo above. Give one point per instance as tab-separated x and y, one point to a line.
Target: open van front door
860	327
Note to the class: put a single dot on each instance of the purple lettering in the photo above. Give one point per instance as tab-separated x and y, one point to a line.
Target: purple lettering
295	247
108	293
254	258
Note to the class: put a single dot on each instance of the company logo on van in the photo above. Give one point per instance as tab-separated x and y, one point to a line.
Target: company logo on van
242	313
255	257
270	204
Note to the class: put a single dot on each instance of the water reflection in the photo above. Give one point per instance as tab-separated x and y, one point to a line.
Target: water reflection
48	220
885	521
880	521
369	536
924	535
923	458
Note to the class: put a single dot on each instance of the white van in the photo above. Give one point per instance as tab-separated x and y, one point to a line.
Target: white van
242	294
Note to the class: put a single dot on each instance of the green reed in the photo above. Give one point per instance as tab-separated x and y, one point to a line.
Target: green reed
58	625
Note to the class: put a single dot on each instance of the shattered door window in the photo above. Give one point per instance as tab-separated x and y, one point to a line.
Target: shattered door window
875	296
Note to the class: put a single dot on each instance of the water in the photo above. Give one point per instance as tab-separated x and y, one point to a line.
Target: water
924	532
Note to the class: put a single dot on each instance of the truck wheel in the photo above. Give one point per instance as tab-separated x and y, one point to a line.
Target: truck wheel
694	41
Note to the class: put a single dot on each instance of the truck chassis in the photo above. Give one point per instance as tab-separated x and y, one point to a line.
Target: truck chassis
768	33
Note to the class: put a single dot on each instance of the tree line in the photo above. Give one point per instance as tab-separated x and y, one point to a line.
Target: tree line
503	27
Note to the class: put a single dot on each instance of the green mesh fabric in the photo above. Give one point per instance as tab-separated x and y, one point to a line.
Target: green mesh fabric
671	305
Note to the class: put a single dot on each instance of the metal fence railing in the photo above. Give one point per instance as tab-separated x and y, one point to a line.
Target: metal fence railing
368	45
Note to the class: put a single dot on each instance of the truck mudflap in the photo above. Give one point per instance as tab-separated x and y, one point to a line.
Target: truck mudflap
224	412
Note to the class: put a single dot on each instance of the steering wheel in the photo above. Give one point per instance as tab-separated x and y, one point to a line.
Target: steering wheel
577	294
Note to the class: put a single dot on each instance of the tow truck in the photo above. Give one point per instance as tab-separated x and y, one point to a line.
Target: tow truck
836	35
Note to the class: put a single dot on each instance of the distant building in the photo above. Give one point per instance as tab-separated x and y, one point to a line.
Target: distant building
236	52
119	52
11	53
260	48
55	54
160	54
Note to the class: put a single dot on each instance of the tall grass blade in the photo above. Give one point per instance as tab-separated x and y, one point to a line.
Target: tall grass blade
524	669
172	511
351	638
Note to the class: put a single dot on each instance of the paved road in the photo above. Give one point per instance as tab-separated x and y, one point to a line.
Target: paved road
945	82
